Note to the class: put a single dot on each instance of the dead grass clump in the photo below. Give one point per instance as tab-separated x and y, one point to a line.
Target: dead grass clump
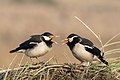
44	71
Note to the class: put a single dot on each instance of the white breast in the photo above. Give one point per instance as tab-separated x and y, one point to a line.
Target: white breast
40	50
81	54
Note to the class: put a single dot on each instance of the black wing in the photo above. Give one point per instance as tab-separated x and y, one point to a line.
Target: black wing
95	51
35	38
31	43
27	45
86	42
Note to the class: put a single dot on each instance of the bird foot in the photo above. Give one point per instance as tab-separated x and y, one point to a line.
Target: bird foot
41	63
85	64
34	63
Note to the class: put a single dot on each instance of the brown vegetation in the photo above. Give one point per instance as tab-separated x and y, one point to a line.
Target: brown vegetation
44	71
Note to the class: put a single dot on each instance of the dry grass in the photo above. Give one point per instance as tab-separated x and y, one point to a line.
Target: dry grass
46	71
19	21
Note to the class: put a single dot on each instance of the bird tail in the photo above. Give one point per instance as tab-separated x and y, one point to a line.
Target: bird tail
102	59
14	50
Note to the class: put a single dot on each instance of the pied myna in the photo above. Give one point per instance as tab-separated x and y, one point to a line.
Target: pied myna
83	49
36	46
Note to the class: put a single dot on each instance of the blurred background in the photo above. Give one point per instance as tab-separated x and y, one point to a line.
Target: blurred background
21	18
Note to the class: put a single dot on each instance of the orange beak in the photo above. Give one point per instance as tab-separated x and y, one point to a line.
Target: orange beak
53	36
53	40
65	41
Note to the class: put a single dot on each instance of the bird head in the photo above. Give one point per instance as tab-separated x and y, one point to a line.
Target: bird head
72	38
48	37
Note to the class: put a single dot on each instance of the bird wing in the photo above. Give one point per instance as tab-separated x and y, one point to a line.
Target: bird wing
87	42
31	43
95	51
89	46
36	38
28	44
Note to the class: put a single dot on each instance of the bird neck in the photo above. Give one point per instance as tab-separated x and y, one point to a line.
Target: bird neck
49	43
71	45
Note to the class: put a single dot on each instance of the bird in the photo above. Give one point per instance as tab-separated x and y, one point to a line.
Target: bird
36	45
83	49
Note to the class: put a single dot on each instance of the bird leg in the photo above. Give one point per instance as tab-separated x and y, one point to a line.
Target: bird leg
85	63
31	60
37	59
34	63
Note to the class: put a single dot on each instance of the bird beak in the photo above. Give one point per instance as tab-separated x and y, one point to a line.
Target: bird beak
53	40
65	41
53	36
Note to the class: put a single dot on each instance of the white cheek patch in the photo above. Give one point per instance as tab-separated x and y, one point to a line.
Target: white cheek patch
46	38
71	39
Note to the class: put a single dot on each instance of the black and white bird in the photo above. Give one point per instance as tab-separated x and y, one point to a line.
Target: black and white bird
36	46
83	49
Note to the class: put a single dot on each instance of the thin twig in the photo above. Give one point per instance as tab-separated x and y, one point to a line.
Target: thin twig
97	72
109	53
9	67
88	28
19	66
113	43
51	66
23	69
117	49
67	57
4	71
111	39
102	52
44	65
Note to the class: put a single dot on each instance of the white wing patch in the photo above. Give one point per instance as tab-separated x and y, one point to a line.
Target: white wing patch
88	46
80	40
21	51
33	43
